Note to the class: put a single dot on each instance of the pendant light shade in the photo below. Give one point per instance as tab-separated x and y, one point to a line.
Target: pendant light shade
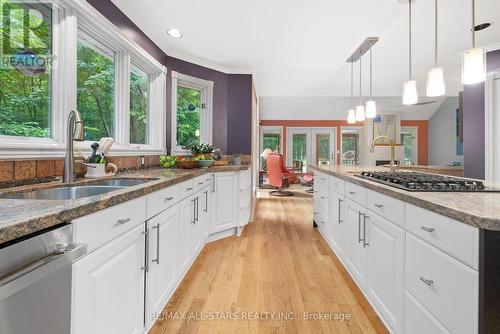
435	76
371	105
474	66
360	113
435	82
410	94
371	109
474	59
351	116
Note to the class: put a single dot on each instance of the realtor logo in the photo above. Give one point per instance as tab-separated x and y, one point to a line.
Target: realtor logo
26	36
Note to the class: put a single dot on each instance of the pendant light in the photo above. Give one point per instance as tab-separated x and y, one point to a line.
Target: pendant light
410	94
371	106
474	60
360	108
351	114
435	76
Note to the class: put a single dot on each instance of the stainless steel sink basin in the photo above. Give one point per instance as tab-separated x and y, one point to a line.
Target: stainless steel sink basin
121	182
64	193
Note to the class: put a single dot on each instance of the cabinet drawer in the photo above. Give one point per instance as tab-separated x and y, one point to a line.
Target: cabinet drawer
162	199
186	189
336	184
103	226
321	198
455	238
320	179
385	206
355	192
245	179
447	288
321	219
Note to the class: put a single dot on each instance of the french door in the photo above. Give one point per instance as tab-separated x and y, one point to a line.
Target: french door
311	146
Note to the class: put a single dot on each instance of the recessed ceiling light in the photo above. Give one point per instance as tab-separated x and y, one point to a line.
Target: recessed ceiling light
174	33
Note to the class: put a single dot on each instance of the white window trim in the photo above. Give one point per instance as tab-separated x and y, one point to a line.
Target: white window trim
67	15
206	117
267	129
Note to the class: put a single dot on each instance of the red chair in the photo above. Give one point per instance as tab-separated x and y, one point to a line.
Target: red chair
279	176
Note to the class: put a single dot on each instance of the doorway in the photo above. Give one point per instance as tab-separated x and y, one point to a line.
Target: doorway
409	140
310	146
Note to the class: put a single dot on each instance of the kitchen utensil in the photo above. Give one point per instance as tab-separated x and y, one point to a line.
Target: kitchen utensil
94	147
217	154
95	170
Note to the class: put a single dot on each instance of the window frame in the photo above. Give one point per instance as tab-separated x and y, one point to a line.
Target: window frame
206	117
68	17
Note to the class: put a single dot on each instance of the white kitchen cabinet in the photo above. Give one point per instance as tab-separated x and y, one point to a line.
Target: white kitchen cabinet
225	190
162	260
337	223
384	273
108	287
355	255
188	236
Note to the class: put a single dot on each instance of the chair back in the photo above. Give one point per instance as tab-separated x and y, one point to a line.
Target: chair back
275	169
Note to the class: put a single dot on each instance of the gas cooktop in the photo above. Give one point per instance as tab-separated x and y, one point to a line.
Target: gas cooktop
413	181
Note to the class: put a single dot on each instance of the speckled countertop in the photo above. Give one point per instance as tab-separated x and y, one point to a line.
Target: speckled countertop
20	217
479	209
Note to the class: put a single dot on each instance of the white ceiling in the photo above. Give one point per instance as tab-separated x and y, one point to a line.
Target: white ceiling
299	48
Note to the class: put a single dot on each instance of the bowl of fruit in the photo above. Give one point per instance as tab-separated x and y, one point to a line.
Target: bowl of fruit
187	162
168	161
205	160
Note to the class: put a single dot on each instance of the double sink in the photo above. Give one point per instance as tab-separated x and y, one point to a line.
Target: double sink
78	191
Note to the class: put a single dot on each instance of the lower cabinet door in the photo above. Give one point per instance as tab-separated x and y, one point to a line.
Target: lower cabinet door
338	225
385	268
163	246
419	320
226	202
108	287
187	233
355	253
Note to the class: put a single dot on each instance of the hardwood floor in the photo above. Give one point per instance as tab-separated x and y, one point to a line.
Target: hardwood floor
280	264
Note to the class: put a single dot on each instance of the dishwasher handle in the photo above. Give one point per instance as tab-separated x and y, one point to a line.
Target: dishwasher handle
39	269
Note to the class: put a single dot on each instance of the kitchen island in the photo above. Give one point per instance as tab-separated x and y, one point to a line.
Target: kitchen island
426	261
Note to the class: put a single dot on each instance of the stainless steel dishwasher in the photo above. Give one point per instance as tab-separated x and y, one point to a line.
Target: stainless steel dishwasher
35	283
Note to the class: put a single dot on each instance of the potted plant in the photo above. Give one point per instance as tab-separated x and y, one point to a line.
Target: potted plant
201	150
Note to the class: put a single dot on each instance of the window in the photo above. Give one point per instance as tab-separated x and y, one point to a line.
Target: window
191	112
139	106
350	147
25	72
270	137
95	89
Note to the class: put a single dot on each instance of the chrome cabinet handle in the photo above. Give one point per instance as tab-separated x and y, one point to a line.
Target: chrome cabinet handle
168	199
122	221
322	222
351	192
200	183
322	197
340	202
206	201
427	229
359	227
197	209
428	282
315	212
189	188
364	231
213	183
380	206
157	228
194	211
146	255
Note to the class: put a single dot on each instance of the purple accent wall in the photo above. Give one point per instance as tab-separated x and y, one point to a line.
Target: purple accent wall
474	127
232	93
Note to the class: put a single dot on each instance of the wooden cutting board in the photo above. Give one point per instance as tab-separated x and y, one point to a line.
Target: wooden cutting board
221	162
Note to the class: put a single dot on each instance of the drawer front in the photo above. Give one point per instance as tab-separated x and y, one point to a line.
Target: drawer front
187	188
321	198
162	199
455	238
447	288
336	184
321	219
320	179
103	226
418	320
355	193
245	179
385	206
199	183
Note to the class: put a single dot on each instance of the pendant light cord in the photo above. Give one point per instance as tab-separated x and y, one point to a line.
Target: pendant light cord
409	36
360	71
436	33
352	80
473	23
370	73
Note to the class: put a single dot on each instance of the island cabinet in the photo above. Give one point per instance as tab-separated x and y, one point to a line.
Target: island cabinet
418	269
140	250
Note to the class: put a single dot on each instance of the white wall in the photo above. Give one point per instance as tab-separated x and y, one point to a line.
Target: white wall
442	142
335	108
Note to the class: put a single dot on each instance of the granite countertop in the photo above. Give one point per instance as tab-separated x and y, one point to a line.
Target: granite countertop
20	217
478	209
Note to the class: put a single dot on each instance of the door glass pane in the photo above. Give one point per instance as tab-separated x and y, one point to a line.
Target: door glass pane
350	147
322	149
299	152
407	141
25	71
271	141
188	116
95	73
139	106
